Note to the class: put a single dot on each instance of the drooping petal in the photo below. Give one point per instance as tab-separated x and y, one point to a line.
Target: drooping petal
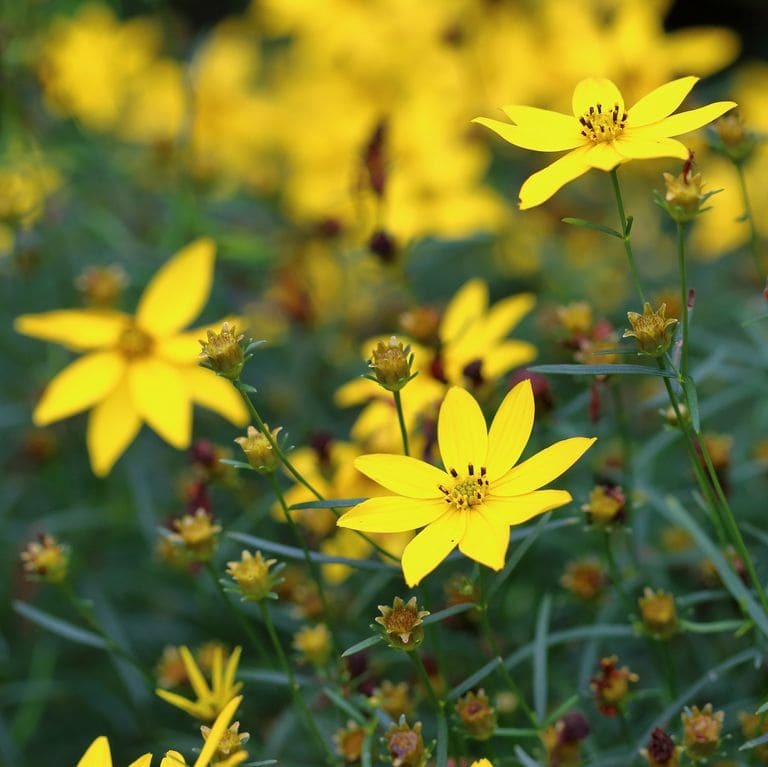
506	355
593	91
403	475
178	291
542	468
603	156
80	385
432	545
469	303
539	187
112	426
182	348
462	434
191	707
161	397
510	430
518	509
485	540
682	122
533	138
215	393
217	731
97	754
142	761
642	149
661	102
77	329
392	514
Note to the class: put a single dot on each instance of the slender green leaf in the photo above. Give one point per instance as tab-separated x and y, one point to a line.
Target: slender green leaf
58	626
592	225
762	709
360	646
442	740
291	552
524	758
237	464
267	676
344	705
754	742
331	503
711	628
601	370
563	708
692	398
515	732
540	658
448	612
474	679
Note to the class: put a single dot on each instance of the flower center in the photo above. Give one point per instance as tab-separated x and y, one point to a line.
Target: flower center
599	124
134	342
468	490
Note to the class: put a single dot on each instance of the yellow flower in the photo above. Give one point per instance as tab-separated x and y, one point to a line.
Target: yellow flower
602	133
211	699
481	493
99	754
139	368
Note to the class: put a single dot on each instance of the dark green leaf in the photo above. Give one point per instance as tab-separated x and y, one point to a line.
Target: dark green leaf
364	645
58	626
592	225
601	370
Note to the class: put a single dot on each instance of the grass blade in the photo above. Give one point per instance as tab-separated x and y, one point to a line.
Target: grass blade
59	627
540	659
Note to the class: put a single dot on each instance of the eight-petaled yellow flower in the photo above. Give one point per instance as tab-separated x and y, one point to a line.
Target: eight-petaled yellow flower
479	495
211	699
602	133
139	368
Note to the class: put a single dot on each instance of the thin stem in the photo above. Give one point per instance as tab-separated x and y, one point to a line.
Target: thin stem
298	698
613	569
749	216
625	236
627	446
401	420
439	705
239	615
683	297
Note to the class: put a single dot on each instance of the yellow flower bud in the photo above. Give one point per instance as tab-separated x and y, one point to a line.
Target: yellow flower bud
658	612
701	730
391	364
403	623
223	352
652	329
258	449
45	560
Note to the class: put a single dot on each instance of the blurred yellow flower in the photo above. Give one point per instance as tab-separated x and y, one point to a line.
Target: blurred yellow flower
473	503
140	368
602	133
211	699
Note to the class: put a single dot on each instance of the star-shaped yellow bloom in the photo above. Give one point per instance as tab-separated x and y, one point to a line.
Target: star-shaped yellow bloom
100	755
139	368
602	133
211	699
480	494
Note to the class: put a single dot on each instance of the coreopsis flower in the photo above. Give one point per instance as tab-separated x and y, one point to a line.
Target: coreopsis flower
258	449
584	578
391	364
477	715
701	731
45	560
253	577
658	613
602	133
661	750
313	644
395	699
99	754
223	352
652	329
402	623
229	751
140	368
349	742
211	698
101	286
684	194
196	535
479	495
406	745
606	505
610	685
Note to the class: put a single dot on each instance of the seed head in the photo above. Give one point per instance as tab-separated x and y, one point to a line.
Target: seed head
701	731
406	745
477	715
391	364
658	612
403	624
253	577
652	329
661	750
196	534
258	449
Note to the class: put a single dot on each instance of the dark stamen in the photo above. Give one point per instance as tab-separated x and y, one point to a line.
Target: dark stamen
482	471
454	473
471	469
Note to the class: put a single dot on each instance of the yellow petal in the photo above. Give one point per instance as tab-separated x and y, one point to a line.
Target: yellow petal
112	426
469	303
172	759
190	707
510	430
403	475
593	91
661	102
178	291
160	396
682	122
142	761
705	50
97	755
215	393
231	669
639	149
185	347
518	509
544	121
533	138
505	356
539	187
77	329
461	431
485	540
542	468
194	674
392	514
356	392
80	385
505	314
432	545
603	156
217	731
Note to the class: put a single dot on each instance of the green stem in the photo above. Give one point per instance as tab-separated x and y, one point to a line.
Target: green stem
627	445
613	569
683	297
436	702
238	614
749	215
490	638
401	420
625	235
298	698
294	471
